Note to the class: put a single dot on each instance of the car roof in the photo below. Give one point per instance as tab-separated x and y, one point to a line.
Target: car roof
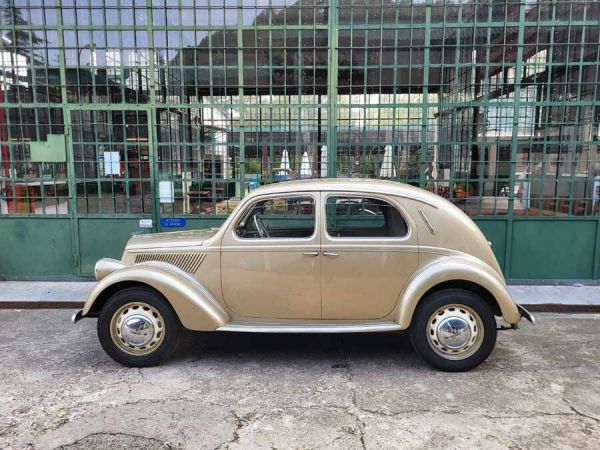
354	185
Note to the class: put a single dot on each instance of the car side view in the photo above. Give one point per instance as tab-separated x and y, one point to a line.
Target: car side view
315	256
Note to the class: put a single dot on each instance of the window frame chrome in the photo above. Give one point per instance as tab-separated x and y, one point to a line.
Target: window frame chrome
386	198
242	214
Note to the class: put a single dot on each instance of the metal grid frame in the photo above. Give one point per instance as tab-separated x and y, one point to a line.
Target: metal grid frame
439	82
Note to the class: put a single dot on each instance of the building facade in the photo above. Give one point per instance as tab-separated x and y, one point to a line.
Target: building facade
118	115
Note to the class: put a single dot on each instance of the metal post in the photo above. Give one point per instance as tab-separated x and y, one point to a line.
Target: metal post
332	73
515	139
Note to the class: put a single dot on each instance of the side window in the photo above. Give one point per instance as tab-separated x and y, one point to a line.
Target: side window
280	217
363	217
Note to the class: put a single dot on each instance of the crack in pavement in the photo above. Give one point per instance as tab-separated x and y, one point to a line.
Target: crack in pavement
236	432
579	413
240	422
545	347
453	412
359	422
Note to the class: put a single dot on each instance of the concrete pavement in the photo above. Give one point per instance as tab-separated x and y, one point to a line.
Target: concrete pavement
539	389
69	294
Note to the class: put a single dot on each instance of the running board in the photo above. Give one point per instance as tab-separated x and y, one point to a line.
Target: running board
253	327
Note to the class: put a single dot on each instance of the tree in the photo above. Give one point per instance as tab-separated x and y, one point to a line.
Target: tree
18	40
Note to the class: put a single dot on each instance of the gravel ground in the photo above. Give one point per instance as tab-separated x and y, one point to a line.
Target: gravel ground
539	389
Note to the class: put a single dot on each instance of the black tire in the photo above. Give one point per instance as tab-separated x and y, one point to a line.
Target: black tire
171	328
431	304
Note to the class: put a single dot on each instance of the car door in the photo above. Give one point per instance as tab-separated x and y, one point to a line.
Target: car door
369	250
270	263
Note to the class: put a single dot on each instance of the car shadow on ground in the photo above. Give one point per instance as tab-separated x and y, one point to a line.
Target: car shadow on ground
289	345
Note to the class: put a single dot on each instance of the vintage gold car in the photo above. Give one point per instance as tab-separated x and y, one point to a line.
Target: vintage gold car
322	256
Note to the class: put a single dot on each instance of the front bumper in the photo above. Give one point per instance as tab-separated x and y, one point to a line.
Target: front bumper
526	314
77	316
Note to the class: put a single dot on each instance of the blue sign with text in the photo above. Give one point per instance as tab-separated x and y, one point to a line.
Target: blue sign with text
172	222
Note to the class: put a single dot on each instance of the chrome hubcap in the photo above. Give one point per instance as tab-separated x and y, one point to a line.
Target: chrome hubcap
137	328
455	331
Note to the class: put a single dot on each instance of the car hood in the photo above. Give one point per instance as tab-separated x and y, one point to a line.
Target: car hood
170	240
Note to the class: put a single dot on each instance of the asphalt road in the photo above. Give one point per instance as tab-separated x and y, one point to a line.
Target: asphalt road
539	389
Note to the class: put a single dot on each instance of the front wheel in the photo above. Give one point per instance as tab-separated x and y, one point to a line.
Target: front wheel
137	327
453	330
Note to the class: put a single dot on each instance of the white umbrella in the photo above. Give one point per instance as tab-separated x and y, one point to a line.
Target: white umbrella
387	166
305	166
285	160
284	167
324	161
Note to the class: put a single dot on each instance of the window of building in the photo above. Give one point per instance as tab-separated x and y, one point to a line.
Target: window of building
349	217
279	217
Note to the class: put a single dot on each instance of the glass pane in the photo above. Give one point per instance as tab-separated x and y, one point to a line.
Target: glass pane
360	217
281	217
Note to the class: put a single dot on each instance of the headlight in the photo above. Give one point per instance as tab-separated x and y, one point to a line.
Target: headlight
106	266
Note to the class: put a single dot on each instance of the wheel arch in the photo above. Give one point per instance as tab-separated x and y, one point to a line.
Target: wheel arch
103	296
193	304
467	286
457	272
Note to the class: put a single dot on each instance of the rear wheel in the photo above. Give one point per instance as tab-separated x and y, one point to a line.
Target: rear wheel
453	330
137	327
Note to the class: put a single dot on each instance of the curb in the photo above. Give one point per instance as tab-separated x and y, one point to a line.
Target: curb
562	308
41	305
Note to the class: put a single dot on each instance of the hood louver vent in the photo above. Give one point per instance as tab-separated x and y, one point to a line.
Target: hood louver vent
188	262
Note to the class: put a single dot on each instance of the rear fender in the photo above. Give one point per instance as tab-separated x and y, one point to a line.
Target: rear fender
455	268
196	308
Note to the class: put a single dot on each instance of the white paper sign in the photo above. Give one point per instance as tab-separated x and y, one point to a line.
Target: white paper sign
112	163
145	223
165	192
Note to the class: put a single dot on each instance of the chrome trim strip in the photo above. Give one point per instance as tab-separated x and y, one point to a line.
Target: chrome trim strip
388	198
249	327
358	247
426	220
271	247
371	247
241	215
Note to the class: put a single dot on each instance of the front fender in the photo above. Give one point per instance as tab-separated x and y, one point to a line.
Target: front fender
455	268
193	303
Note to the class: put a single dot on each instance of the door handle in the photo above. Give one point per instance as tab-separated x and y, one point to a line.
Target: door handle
330	254
311	253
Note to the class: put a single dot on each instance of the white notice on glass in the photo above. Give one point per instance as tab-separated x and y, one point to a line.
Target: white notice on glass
165	191
112	163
